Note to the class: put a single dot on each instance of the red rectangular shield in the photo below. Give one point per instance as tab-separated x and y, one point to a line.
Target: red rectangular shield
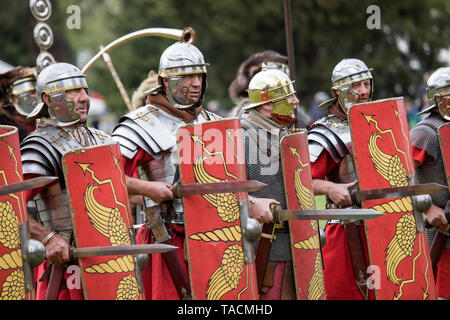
213	152
101	216
399	255
444	142
12	214
305	242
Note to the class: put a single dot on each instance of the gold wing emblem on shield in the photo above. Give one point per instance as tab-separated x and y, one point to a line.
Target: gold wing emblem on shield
388	166
9	226
14	286
226	203
316	287
401	245
227	276
109	222
316	284
305	196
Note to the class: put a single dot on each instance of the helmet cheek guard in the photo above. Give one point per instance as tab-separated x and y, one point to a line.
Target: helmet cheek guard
283	108
178	93
61	110
444	105
347	96
26	103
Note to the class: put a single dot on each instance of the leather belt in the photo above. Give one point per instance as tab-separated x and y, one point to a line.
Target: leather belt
178	218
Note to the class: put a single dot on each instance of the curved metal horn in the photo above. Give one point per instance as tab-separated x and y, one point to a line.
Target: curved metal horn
185	35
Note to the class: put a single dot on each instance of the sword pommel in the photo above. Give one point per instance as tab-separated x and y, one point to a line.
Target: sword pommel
36	253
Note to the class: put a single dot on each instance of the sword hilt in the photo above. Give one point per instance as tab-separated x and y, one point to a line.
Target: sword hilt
176	190
276	208
354	196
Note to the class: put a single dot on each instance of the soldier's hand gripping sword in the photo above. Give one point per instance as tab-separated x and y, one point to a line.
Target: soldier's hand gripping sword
439	239
420	194
446	213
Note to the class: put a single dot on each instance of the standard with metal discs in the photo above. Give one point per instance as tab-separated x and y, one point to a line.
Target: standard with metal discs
44	59
43	35
41	9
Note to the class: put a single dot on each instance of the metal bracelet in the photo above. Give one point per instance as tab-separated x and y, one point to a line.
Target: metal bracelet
48	237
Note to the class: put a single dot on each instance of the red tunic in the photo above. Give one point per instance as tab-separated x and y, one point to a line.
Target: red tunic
340	283
443	266
70	288
158	284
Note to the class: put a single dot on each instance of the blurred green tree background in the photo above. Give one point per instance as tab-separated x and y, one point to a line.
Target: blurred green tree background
414	37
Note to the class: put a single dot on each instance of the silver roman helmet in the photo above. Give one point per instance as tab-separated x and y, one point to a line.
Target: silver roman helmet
25	91
55	80
178	60
345	73
438	85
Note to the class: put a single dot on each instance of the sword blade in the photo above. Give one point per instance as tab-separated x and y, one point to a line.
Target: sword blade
401	191
26	185
280	215
181	190
117	250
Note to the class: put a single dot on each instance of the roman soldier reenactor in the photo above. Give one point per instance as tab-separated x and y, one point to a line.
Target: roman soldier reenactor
62	110
148	142
18	98
428	157
239	86
333	172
